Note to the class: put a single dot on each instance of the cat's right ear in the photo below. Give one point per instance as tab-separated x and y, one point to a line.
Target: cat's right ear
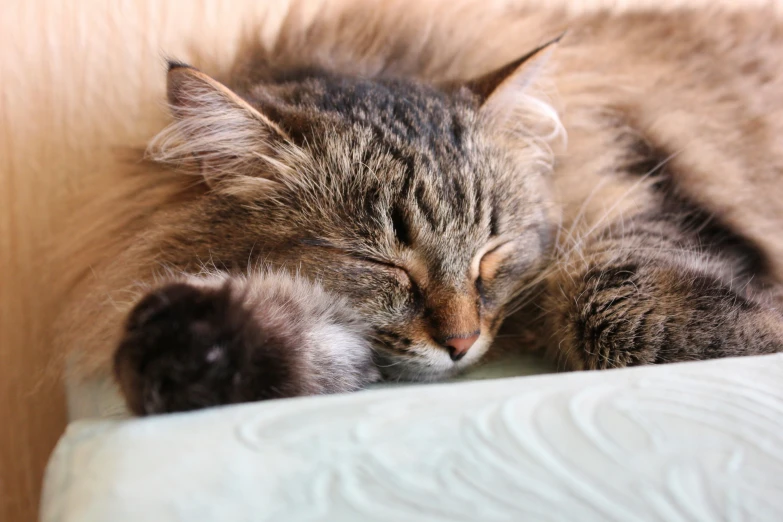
216	131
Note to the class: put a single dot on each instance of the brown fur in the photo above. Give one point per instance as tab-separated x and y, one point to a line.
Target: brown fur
666	199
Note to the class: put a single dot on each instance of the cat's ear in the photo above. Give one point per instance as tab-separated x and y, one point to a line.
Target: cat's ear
505	102
514	76
215	129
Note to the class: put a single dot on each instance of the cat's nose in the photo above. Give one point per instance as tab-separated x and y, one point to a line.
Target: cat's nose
458	345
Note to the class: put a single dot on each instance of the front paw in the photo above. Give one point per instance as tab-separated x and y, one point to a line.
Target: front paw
190	346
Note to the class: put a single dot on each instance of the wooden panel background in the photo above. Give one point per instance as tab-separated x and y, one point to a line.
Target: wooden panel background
76	79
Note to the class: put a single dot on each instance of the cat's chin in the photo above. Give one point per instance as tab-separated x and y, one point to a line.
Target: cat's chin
432	369
395	370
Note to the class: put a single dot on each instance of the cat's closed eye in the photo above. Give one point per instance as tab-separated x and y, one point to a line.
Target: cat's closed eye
397	272
492	260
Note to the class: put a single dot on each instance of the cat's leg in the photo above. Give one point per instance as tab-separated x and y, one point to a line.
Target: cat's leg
203	342
643	294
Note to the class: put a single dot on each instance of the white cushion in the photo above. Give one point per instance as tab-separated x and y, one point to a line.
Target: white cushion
694	441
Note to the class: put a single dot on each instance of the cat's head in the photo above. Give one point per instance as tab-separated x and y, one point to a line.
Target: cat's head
426	206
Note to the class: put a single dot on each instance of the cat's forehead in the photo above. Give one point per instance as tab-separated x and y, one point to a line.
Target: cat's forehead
403	155
401	111
394	142
440	182
409	199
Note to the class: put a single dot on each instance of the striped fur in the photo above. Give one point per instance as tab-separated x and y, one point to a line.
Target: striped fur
359	153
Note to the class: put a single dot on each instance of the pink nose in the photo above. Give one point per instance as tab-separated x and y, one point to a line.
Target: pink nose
459	345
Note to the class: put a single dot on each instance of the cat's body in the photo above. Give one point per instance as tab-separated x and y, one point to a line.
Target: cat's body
423	199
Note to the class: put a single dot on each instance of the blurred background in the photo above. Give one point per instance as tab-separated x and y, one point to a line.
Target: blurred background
77	81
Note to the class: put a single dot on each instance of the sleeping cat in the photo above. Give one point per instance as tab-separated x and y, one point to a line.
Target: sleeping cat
374	195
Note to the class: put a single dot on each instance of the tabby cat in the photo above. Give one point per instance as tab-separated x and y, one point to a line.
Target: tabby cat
374	194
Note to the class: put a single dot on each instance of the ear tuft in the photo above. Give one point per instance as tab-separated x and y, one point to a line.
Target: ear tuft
216	132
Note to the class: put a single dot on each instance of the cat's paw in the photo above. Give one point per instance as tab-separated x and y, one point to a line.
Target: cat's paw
184	347
192	345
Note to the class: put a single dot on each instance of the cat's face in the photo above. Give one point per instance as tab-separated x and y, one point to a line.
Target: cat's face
399	196
427	226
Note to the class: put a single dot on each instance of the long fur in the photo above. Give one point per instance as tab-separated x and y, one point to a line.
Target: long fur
71	96
654	111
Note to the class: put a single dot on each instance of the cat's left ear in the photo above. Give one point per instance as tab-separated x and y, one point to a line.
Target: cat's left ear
498	90
517	75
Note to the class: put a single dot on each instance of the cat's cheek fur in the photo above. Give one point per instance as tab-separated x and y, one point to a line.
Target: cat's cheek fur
201	342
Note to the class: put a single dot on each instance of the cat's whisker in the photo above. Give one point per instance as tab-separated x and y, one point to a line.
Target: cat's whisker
576	221
578	242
